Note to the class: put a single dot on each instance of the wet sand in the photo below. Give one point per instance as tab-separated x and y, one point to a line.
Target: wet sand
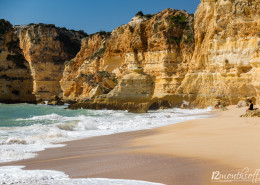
185	153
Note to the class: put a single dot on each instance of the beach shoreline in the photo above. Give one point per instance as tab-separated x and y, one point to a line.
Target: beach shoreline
182	153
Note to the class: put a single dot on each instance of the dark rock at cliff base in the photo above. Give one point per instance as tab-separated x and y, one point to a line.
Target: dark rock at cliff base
55	100
130	106
252	113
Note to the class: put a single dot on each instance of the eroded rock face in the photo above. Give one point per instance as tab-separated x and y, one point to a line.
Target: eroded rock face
151	62
46	48
159	47
225	63
16	82
74	84
133	93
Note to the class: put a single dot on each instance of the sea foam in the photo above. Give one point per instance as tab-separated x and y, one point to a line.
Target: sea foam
15	175
39	132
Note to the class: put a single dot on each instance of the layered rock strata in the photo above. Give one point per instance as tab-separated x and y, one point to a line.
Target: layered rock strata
153	61
157	46
16	83
225	63
46	48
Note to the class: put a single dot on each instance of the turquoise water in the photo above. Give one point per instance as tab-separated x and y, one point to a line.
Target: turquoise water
16	115
26	129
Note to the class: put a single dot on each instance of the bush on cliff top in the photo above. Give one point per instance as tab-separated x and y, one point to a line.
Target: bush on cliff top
141	14
179	20
62	28
102	33
5	26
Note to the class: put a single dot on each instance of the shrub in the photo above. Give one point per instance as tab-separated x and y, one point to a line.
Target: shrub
155	26
98	53
149	16
83	33
102	33
179	20
177	40
140	13
189	37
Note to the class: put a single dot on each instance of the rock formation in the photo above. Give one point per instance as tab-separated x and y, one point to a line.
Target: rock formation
252	113
149	56
16	82
153	61
46	48
225	63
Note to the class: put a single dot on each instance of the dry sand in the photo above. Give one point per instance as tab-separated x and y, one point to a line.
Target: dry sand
226	139
181	154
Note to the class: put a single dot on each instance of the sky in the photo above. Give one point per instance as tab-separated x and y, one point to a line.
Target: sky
88	15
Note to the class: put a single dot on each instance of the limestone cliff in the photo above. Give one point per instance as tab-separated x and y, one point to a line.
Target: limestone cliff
46	48
15	78
153	61
160	45
225	63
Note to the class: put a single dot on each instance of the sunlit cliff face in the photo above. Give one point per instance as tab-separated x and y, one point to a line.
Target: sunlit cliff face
226	56
168	57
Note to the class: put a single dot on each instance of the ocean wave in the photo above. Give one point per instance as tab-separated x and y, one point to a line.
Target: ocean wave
44	117
45	131
15	175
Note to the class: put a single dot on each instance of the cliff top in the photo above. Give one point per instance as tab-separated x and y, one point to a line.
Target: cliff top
5	26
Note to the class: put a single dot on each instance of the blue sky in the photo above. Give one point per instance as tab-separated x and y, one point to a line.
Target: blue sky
88	15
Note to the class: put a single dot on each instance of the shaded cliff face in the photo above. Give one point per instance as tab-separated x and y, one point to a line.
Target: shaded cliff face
86	62
16	82
46	48
225	62
160	45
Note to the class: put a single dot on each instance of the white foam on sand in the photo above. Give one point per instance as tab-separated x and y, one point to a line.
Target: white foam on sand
47	131
16	176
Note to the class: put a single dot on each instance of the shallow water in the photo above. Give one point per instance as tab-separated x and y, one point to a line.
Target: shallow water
26	129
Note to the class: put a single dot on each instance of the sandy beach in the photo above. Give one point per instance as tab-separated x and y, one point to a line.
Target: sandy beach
185	153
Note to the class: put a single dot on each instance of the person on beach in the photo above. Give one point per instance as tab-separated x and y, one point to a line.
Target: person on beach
251	105
217	105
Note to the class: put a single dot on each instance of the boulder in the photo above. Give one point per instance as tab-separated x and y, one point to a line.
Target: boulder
252	113
107	83
55	100
242	103
95	92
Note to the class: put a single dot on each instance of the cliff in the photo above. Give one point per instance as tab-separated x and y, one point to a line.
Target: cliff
225	62
149	57
46	48
153	61
16	82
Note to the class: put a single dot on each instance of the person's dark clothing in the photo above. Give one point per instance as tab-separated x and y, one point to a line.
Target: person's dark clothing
251	106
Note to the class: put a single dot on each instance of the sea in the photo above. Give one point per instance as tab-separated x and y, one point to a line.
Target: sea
26	129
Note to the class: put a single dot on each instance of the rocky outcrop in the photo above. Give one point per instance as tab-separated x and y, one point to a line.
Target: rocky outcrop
46	48
161	45
16	82
134	92
213	56
75	81
225	63
163	60
251	113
